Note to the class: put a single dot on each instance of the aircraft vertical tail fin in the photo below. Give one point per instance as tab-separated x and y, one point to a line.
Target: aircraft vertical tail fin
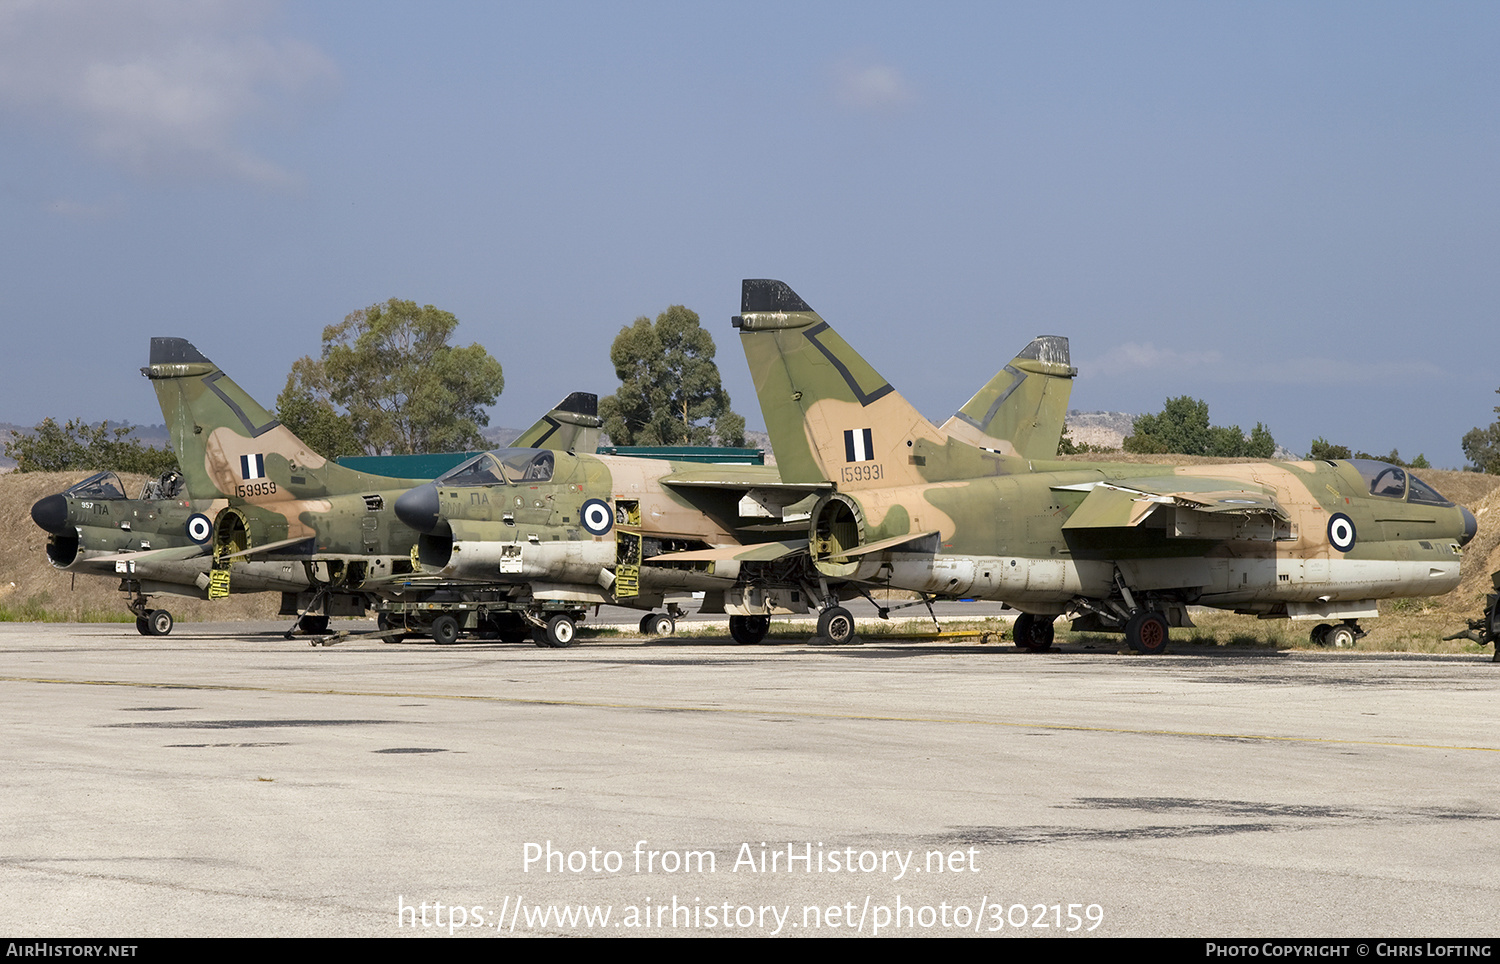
573	426
227	444
1022	410
830	415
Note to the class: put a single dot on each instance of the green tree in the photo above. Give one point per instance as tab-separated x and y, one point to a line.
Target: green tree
304	407
1322	449
670	393
50	447
389	381
1182	428
1482	447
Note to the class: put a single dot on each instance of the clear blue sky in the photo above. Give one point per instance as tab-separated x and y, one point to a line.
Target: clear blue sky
1291	210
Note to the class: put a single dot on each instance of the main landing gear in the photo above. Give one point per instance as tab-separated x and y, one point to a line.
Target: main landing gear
1033	633
1142	619
749	630
836	626
1147	633
1340	636
661	624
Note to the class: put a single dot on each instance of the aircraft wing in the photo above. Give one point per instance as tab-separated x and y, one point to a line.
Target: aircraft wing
760	552
767	491
1128	503
268	547
171	554
921	542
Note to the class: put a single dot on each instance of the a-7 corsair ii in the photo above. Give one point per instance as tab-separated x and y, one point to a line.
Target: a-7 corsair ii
515	542
683	526
1121	546
159	544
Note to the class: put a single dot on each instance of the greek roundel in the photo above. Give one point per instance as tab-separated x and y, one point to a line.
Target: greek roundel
199	528
597	517
1341	532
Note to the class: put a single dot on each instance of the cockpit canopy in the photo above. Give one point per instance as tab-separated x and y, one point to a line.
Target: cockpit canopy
101	485
1393	482
501	467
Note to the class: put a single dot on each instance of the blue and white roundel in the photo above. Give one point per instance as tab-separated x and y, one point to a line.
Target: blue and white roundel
1341	532
199	528
597	517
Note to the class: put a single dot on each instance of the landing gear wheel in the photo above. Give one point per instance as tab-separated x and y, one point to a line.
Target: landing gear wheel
749	630
1033	633
1319	634
1147	633
1340	636
444	630
836	625
142	626
1493	621
660	625
158	622
558	633
310	625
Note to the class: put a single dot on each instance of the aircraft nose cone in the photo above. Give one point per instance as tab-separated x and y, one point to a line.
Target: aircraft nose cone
51	514
1471	525
418	508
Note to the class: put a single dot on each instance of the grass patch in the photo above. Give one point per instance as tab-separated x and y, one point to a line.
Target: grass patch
35	609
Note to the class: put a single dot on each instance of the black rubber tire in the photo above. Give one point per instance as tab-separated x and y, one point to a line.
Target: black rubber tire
1147	633
749	630
1034	633
559	632
159	622
836	625
1341	636
444	630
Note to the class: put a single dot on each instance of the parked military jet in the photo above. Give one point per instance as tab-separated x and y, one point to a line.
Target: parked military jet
671	520
1122	546
154	544
532	534
159	544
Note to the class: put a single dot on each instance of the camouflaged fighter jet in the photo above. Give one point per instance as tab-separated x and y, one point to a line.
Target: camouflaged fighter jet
155	545
1124	547
672	520
164	543
550	531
